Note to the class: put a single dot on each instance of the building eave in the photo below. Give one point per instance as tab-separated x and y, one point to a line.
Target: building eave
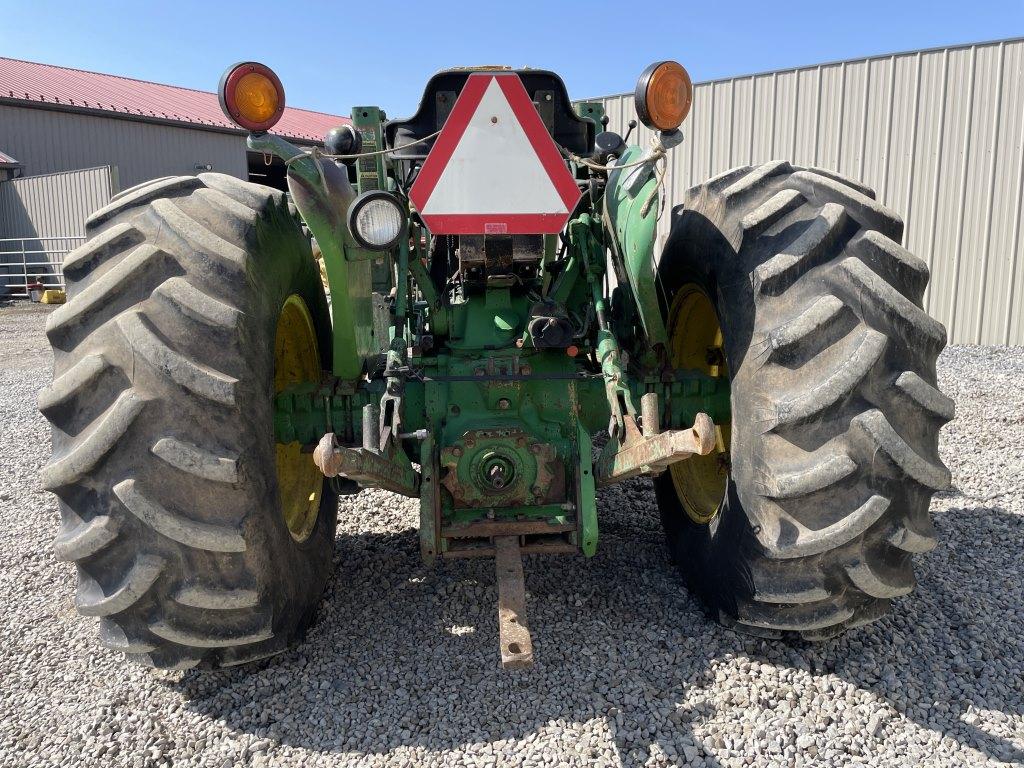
141	118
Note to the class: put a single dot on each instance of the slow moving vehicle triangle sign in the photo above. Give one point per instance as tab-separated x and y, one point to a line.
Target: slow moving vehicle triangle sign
494	168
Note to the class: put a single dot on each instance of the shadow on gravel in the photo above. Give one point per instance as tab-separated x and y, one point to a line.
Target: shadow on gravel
956	641
404	655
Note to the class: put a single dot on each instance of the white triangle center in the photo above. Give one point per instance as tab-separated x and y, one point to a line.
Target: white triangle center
494	169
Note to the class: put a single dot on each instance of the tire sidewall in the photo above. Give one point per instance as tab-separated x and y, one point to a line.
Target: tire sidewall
282	264
710	556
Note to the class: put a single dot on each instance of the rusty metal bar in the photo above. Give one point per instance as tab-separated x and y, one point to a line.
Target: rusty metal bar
391	472
483	528
640	455
513	632
650	416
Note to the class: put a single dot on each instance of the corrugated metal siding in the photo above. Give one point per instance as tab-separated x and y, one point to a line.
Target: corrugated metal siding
46	141
53	205
939	135
42	218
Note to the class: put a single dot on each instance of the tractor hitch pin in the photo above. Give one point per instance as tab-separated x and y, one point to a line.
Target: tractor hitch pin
419	434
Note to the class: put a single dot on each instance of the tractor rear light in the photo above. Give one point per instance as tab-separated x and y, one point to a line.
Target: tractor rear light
251	96
376	220
663	95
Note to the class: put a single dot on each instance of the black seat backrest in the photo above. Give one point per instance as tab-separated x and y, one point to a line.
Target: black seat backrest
547	90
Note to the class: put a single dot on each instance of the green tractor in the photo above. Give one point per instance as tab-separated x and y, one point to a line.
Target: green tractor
498	341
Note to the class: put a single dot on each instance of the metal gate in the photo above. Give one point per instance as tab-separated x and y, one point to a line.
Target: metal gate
25	260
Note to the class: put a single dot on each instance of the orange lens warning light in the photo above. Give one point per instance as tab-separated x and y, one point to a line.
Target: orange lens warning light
251	96
663	96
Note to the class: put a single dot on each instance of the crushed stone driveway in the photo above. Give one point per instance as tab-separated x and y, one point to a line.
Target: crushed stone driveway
402	667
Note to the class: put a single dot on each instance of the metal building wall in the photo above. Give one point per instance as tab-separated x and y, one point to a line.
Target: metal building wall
939	135
54	204
47	141
42	218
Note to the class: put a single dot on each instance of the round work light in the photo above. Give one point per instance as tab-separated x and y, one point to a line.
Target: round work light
251	96
663	95
376	220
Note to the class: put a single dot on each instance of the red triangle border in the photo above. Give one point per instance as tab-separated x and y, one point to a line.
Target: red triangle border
540	140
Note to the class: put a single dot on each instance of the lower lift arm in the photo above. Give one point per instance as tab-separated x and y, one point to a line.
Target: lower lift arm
633	449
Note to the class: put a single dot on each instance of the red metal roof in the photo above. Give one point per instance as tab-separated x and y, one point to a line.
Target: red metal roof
75	88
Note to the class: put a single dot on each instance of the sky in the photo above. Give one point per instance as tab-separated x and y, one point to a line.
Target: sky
333	55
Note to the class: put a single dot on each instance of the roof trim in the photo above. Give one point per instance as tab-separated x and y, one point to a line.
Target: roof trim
108	168
832	63
50	86
135	117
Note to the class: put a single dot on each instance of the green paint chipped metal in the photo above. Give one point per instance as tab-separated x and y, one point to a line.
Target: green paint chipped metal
492	360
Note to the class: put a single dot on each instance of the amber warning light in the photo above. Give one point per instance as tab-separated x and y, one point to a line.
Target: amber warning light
663	95
251	96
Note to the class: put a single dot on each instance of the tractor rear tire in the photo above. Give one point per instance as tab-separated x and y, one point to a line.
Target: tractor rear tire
833	454
164	455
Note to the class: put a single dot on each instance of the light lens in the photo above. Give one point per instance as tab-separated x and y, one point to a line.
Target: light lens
378	222
251	96
664	95
256	97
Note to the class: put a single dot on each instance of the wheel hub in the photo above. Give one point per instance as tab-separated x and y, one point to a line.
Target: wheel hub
296	361
696	343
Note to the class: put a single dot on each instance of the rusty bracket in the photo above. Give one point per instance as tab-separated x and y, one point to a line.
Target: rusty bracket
513	632
650	452
389	470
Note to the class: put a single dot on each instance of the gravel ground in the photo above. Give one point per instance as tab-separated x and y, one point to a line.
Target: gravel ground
402	668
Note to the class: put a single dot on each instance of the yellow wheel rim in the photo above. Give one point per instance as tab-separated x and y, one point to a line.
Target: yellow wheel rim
296	361
695	340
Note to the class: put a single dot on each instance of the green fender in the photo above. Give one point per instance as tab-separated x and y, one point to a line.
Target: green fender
633	231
